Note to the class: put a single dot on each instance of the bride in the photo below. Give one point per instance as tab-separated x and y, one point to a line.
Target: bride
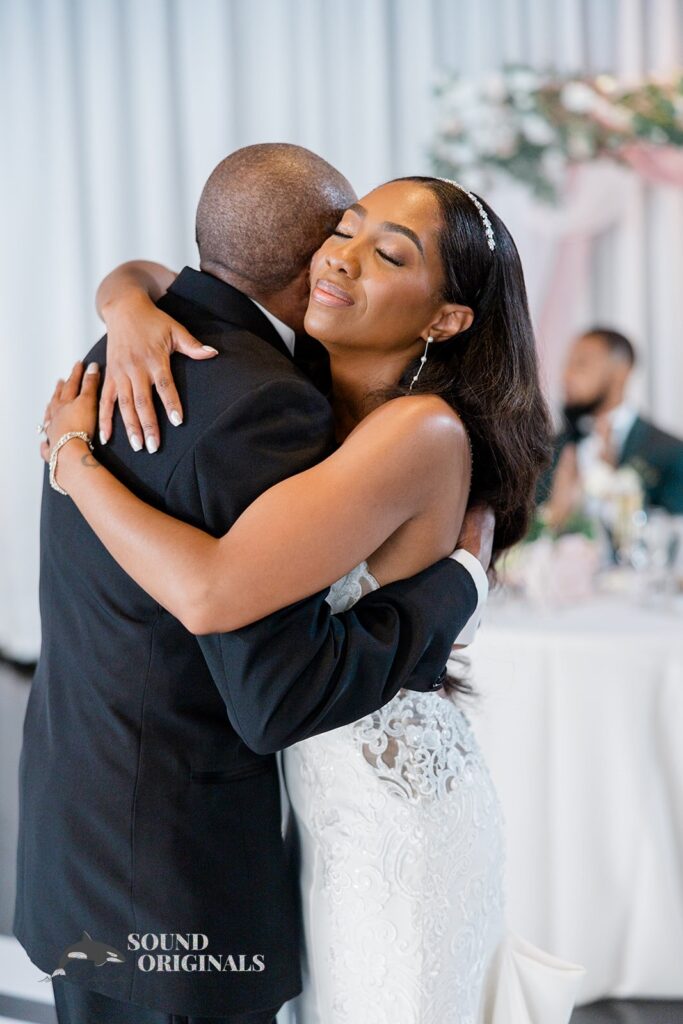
419	299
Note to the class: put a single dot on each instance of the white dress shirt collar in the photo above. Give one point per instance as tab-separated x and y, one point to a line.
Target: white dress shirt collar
621	419
285	332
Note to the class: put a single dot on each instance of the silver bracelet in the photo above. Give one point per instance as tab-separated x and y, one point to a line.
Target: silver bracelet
55	451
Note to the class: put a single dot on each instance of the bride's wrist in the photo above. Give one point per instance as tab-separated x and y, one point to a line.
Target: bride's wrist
127	303
69	458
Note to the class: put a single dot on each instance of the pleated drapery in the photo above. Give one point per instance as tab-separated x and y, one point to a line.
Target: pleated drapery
113	112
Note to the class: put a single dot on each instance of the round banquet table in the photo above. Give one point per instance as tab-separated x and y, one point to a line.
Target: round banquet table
580	717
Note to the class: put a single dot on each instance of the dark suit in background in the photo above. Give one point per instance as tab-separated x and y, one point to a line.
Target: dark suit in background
149	796
656	456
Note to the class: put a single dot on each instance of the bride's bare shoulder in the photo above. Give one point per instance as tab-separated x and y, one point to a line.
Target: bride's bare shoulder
426	422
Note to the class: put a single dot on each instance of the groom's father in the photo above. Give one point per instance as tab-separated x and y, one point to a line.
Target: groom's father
151	872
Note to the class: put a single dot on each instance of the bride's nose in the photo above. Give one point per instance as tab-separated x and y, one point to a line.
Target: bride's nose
344	260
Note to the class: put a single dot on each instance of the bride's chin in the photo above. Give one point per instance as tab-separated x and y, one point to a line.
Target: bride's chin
325	328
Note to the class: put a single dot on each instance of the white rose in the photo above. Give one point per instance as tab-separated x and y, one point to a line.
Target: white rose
485	139
577	97
461	92
553	163
494	88
537	130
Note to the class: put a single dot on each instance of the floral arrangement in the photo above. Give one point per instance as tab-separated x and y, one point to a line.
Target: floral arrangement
531	125
551	572
559	566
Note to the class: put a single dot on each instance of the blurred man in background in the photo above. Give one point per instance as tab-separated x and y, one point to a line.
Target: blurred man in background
601	425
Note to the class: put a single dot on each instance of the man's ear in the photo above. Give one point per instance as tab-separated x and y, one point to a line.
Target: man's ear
453	319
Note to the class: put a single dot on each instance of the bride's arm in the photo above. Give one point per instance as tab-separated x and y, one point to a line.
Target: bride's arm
144	278
293	540
140	341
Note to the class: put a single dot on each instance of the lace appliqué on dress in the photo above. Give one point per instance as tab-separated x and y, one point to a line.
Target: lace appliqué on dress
402	859
350	588
419	745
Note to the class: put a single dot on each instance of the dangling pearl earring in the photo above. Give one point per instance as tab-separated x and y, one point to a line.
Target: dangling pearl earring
423	360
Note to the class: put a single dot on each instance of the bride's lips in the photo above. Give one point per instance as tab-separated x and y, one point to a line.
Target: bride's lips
329	294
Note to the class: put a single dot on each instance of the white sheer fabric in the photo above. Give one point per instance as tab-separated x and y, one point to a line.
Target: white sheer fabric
402	857
115	111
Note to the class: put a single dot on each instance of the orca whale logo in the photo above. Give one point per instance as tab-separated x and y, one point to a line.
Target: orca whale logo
86	948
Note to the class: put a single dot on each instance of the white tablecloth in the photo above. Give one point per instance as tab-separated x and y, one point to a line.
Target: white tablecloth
581	720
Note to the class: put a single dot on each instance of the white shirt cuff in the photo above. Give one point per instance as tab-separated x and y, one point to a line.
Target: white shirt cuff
476	571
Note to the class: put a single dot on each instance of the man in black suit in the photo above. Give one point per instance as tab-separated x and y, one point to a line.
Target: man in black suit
600	423
151	863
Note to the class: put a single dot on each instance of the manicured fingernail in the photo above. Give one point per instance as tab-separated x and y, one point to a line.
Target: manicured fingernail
175	418
135	443
210	348
92	368
151	445
103	437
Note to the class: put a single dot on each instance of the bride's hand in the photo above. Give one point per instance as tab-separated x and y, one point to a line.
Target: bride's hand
140	340
73	406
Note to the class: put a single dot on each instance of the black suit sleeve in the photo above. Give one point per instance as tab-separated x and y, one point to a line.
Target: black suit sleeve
302	670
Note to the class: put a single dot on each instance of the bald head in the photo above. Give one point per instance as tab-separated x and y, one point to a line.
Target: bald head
264	211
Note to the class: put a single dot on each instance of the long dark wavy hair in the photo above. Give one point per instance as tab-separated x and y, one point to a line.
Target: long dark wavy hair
488	373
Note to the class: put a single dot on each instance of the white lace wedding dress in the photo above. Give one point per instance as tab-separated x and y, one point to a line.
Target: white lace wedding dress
401	848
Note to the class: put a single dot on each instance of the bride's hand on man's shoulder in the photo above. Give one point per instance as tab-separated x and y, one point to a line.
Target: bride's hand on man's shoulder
72	408
140	340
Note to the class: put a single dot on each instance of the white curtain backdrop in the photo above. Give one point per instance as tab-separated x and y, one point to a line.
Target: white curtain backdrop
113	112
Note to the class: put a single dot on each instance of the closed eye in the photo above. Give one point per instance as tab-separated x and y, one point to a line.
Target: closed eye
390	259
385	255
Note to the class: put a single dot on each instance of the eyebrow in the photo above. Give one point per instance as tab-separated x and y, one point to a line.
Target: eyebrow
389	225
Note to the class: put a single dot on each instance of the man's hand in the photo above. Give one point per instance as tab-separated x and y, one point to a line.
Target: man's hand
567	489
476	534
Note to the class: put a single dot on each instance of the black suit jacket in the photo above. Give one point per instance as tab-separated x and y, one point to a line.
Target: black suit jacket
149	797
656	456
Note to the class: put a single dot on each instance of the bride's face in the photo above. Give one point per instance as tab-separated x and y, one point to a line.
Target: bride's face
376	282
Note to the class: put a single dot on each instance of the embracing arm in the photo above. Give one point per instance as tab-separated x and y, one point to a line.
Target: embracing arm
136	278
301	670
140	341
296	538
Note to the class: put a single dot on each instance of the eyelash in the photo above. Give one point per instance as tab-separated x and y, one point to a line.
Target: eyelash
384	255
